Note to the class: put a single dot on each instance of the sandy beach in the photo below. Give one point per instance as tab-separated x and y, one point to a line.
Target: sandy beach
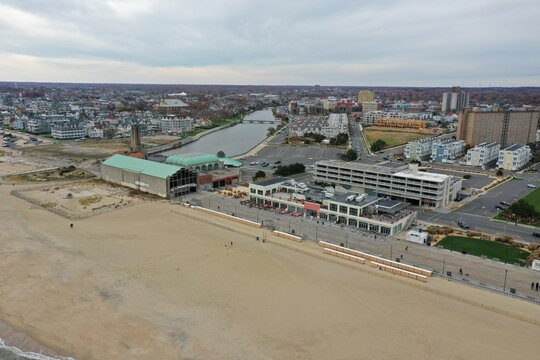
159	281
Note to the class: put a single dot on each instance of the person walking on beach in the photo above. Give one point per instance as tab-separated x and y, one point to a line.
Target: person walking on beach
406	247
460	271
537	286
532	285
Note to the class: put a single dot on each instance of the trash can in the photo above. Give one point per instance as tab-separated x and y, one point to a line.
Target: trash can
397	259
257	238
512	290
448	273
292	231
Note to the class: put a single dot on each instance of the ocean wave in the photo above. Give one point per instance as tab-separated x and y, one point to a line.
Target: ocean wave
29	355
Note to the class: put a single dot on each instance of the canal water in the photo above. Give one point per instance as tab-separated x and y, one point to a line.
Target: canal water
233	140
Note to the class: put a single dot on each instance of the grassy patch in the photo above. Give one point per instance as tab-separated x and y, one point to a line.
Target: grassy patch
90	200
533	199
50	175
392	137
478	247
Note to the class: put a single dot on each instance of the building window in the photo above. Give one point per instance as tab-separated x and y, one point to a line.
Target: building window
363	225
374	227
333	207
252	191
353	211
385	230
342	209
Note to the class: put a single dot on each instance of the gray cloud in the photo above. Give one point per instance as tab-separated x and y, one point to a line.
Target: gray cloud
278	42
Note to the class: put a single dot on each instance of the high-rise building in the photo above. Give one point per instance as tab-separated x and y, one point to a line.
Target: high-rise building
504	127
455	101
365	96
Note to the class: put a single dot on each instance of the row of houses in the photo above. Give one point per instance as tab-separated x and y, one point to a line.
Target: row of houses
484	155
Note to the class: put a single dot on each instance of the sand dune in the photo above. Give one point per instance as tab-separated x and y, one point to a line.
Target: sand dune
149	282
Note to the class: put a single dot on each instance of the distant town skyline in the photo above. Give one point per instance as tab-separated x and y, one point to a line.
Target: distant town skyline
474	43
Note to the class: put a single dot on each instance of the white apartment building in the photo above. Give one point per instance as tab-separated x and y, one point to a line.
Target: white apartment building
301	125
447	150
401	183
335	124
483	154
176	124
68	132
419	149
370	117
370	106
514	157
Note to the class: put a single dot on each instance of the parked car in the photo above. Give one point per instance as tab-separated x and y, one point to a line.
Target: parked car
504	203
463	225
500	207
531	186
536	234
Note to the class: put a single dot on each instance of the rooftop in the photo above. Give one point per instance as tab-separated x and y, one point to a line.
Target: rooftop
385	168
192	159
514	147
142	166
271	181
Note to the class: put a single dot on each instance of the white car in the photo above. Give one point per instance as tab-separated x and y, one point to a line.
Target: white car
531	186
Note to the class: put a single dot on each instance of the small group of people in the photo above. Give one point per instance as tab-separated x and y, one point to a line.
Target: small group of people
533	286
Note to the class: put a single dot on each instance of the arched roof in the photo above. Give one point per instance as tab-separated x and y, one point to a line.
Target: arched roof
192	159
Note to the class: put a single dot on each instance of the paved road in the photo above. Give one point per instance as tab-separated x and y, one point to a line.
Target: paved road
357	141
479	270
479	213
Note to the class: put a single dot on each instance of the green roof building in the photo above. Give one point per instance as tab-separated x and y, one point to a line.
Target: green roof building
163	180
201	161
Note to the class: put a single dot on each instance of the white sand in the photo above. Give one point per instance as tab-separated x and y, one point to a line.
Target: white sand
149	283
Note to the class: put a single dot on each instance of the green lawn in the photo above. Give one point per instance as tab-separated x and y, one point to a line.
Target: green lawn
534	199
478	247
393	137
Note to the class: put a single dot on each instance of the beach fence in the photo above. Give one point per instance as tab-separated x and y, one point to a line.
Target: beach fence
287	236
394	267
227	216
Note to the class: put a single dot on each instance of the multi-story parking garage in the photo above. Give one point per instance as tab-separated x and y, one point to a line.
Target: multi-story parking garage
400	182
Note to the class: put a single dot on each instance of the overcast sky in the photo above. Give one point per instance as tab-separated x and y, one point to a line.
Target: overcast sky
303	42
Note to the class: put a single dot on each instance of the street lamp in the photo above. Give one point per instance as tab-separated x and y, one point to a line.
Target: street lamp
505	276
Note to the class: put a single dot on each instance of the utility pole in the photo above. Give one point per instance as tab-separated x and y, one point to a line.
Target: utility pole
443	263
346	240
390	252
505	276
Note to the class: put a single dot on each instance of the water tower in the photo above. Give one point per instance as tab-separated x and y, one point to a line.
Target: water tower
135	145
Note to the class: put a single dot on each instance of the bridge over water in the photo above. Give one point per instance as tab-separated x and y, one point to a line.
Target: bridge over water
260	121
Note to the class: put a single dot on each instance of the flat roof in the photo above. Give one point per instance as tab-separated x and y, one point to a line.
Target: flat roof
271	181
381	168
422	175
